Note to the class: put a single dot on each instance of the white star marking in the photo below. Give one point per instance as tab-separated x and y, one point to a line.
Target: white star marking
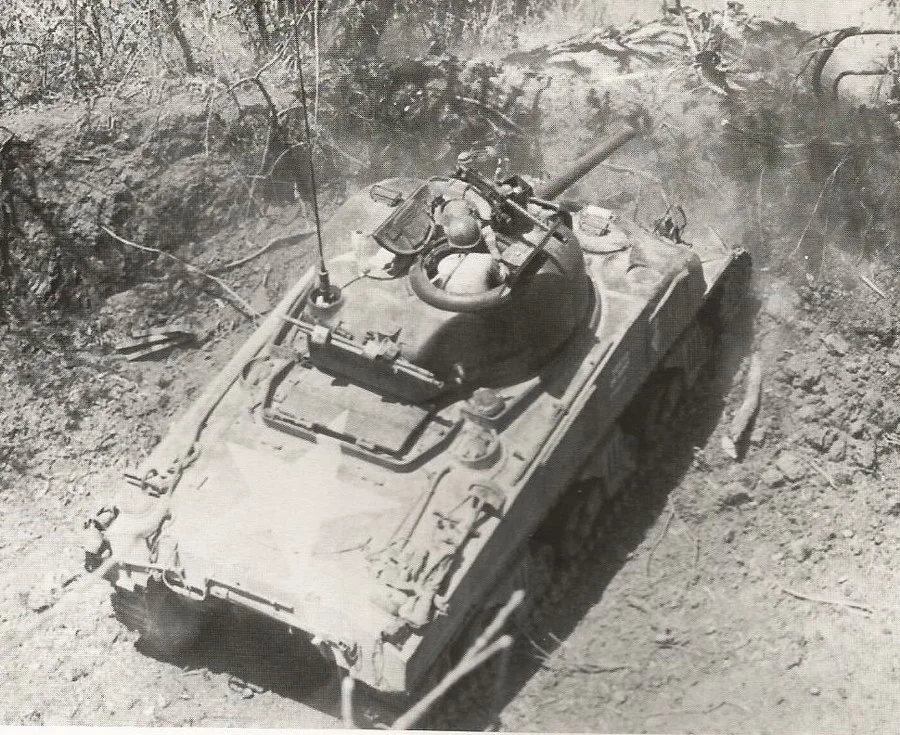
292	501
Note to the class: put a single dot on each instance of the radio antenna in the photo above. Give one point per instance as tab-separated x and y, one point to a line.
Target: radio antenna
324	294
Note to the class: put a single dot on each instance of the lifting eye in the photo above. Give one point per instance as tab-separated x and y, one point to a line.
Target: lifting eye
478	446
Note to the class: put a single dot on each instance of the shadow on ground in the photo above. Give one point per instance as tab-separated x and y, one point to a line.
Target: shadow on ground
259	655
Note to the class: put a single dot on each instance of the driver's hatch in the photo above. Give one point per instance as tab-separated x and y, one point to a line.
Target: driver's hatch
304	400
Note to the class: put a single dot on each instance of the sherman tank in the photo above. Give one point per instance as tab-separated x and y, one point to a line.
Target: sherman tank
433	418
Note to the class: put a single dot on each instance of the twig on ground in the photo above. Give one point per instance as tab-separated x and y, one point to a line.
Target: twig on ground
704	711
824	600
631	602
748	409
565	666
275	242
240	303
818	470
871	284
580	667
658	541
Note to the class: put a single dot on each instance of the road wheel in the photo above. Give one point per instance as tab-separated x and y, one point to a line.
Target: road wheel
664	393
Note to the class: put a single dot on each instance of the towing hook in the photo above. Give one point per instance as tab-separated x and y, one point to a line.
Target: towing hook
95	545
91	539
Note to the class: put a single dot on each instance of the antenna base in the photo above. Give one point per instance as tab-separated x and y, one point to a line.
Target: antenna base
325	296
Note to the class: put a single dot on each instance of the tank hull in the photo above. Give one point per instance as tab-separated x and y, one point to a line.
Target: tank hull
374	470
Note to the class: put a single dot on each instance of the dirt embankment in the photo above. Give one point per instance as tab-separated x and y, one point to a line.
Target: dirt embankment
735	596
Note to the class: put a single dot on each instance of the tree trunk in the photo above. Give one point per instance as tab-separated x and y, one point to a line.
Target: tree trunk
171	11
360	26
259	14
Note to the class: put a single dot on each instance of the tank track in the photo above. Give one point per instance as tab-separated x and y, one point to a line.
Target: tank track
476	693
166	624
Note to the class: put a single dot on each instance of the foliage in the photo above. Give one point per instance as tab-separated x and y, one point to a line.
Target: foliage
375	110
54	48
821	172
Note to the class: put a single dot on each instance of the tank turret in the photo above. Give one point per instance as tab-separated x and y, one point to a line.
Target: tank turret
476	281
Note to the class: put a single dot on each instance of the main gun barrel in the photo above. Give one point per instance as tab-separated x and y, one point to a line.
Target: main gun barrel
581	166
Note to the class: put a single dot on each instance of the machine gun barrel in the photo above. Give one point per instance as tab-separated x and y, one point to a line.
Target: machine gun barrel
581	166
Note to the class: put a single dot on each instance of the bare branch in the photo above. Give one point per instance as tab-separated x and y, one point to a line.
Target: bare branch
479	653
856	73
825	53
347	686
465	667
239	302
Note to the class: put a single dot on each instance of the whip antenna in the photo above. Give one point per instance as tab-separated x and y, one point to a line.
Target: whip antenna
324	294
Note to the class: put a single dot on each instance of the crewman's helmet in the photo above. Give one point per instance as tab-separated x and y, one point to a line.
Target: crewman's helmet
463	232
460	225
